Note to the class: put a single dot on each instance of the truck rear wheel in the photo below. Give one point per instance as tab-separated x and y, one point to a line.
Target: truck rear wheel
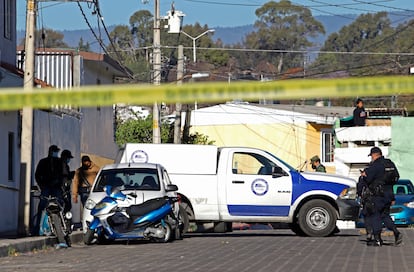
317	218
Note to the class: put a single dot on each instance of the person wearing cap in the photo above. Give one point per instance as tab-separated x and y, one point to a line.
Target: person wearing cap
67	175
359	114
315	162
83	179
382	196
48	176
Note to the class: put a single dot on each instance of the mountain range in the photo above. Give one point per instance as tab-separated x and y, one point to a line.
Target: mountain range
228	35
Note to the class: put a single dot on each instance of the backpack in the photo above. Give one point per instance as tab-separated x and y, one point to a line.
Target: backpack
391	175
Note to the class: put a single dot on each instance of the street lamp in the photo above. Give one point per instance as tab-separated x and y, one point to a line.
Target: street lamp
194	40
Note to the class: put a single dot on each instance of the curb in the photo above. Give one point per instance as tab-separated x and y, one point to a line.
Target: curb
21	245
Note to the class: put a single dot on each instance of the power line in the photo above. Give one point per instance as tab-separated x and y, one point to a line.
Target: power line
118	60
384	6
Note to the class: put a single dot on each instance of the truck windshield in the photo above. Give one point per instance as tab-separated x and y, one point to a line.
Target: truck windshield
281	161
128	179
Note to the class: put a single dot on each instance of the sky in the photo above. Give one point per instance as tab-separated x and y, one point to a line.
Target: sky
66	15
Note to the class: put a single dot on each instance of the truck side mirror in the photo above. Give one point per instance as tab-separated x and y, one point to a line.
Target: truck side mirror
278	172
171	188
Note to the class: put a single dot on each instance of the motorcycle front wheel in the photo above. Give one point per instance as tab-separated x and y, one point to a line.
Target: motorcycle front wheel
58	228
167	236
88	237
68	240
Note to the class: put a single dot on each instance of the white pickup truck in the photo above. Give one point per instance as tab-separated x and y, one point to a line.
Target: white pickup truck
241	184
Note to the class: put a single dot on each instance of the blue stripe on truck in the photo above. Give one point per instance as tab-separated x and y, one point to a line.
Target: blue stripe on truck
258	210
302	185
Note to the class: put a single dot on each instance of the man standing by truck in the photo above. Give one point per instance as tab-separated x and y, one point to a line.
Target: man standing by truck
83	179
316	164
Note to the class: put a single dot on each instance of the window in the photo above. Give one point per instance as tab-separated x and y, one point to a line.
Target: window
251	164
327	146
10	157
128	179
7	19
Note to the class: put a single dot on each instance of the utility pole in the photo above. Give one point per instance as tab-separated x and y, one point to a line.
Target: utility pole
27	117
156	138
178	106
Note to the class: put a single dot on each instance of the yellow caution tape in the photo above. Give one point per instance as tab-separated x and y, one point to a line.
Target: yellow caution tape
207	92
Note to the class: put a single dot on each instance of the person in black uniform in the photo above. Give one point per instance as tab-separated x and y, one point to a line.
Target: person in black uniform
381	199
359	113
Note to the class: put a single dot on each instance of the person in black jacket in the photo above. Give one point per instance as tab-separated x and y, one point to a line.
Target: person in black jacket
379	202
359	113
48	176
67	176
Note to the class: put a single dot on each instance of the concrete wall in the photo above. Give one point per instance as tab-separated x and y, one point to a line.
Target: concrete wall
64	131
9	188
286	141
97	132
402	149
313	146
8	45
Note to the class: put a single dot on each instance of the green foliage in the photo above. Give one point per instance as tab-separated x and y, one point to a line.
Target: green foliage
285	27
353	49
134	44
140	131
198	138
48	38
82	46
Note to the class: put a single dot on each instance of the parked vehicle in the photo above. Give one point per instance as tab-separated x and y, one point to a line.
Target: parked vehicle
402	211
241	184
132	201
55	220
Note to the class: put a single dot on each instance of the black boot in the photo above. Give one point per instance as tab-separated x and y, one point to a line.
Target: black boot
376	242
398	237
369	238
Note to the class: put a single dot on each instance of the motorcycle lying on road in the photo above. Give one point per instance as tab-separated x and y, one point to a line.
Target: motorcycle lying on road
115	219
55	220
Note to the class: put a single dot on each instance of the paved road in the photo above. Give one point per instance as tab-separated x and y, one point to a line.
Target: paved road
246	250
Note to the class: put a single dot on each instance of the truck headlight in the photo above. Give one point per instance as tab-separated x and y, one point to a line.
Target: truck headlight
348	193
90	204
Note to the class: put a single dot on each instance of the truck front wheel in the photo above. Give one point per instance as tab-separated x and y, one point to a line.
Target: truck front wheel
317	218
185	214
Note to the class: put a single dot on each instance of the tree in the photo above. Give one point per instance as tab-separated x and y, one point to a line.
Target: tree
83	47
48	38
350	46
402	43
142	23
140	131
285	27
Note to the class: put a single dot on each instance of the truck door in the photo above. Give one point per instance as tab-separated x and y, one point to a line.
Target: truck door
257	185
